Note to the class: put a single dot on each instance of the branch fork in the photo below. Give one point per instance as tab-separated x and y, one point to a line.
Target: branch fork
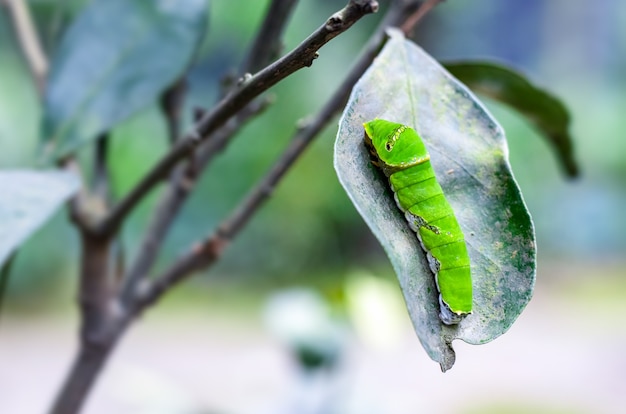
109	304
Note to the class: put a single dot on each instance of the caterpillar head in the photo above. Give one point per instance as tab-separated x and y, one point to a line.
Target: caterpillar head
395	145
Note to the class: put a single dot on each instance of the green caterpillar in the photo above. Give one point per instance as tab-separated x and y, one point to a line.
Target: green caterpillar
402	156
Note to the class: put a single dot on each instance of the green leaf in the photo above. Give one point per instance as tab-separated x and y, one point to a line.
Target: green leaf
29	198
469	155
116	58
546	112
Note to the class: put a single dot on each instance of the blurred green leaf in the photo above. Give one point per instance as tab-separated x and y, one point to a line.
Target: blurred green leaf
546	112
468	152
29	198
116	58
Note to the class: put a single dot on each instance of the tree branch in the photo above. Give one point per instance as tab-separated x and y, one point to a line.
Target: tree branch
207	252
101	320
109	321
28	40
80	380
184	177
95	289
302	56
271	32
180	186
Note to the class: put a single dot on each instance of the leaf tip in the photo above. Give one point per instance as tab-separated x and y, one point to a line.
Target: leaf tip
448	358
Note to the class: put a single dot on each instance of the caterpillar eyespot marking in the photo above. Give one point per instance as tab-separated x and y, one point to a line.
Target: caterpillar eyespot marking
400	153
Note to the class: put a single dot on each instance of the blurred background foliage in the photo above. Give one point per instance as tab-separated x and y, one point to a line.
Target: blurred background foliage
309	233
565	353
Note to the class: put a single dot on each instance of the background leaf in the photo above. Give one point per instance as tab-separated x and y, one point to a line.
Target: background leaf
29	198
469	154
116	58
546	112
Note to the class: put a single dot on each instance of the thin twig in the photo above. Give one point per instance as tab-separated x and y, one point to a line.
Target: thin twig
302	56
207	252
184	177
267	42
266	47
412	21
29	41
175	195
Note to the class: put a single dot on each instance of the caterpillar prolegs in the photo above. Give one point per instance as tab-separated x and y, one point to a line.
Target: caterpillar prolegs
401	154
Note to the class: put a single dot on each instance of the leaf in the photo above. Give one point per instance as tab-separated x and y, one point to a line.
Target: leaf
116	58
469	154
546	112
29	198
